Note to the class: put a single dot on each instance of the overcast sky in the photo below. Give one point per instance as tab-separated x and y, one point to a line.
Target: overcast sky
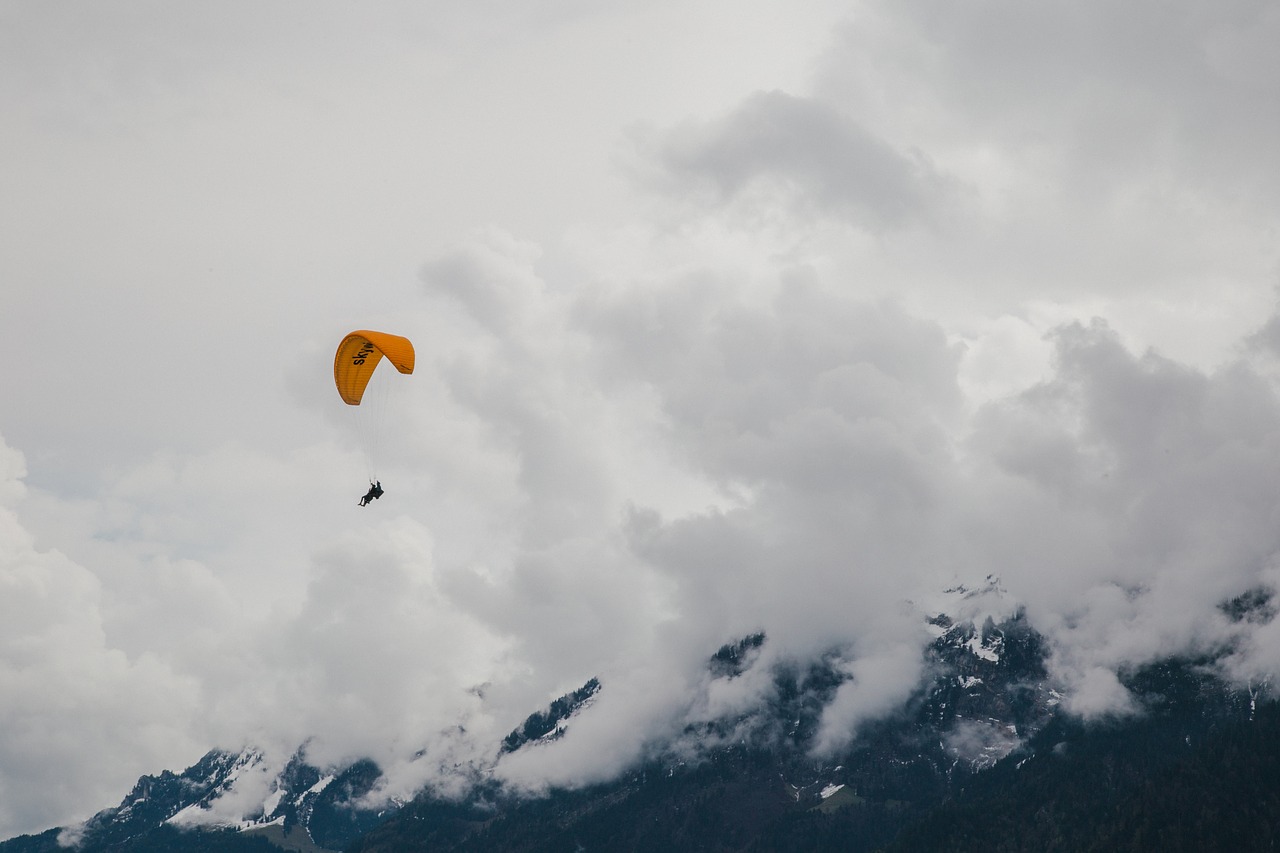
729	316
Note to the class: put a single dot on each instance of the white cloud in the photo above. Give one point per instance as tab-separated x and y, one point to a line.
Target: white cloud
808	153
78	712
831	352
881	681
1098	693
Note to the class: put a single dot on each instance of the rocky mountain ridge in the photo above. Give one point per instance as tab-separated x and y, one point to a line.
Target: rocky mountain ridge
750	782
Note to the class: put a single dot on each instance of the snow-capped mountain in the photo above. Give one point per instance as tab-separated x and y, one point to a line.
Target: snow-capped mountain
309	806
985	697
744	777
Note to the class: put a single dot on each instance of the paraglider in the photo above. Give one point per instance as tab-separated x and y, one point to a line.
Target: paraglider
375	492
357	357
359	354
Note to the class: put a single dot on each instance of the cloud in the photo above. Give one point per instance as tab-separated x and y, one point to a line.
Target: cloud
1098	693
1102	150
882	678
1109	95
981	742
807	153
829	353
78	713
1140	501
378	663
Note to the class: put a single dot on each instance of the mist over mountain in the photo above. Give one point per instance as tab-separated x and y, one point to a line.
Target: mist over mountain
742	332
981	755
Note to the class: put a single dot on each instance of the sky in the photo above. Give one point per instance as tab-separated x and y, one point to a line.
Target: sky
729	317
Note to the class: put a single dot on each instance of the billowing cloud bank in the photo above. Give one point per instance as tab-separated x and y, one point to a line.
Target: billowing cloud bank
801	464
843	350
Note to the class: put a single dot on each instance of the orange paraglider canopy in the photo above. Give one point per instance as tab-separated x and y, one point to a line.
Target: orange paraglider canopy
358	355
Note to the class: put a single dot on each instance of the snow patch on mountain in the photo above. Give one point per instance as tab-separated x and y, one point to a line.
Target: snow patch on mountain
245	797
988	650
319	786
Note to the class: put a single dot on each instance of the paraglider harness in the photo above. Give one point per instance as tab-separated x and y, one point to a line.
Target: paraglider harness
375	492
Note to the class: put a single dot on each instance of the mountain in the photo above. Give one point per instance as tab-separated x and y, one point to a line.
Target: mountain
757	787
1199	771
306	810
980	758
